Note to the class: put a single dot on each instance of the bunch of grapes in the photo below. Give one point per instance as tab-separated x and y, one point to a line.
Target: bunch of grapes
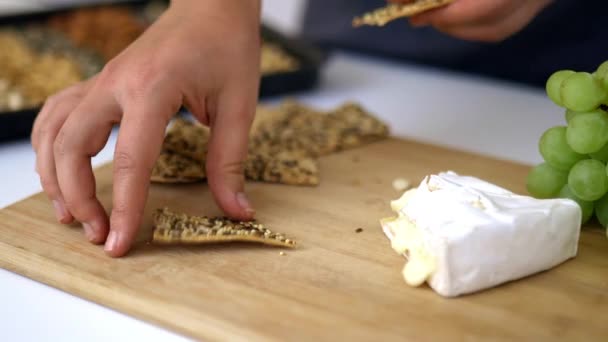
575	155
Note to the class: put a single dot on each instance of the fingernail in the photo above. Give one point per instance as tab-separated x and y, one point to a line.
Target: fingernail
241	198
111	242
88	231
60	211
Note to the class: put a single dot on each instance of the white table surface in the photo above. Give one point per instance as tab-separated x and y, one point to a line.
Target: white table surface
491	118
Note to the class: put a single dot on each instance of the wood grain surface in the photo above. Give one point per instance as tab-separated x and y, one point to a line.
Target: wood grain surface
338	284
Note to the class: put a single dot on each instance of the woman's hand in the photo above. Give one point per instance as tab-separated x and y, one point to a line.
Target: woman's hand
203	54
480	20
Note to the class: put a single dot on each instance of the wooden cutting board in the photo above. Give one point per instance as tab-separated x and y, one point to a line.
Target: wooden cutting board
337	284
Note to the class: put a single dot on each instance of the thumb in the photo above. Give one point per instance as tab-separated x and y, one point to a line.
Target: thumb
230	125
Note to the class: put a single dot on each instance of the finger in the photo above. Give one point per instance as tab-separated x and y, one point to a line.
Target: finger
82	136
70	94
228	150
464	12
138	146
45	157
498	30
42	116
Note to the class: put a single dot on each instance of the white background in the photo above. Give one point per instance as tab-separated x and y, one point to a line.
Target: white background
495	119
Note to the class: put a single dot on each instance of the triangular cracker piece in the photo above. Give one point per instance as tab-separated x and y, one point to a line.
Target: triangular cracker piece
174	228
384	15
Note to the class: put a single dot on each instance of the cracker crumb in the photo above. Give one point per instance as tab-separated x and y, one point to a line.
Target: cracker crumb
478	204
401	184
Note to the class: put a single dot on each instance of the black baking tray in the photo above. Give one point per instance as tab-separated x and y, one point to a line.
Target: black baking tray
17	125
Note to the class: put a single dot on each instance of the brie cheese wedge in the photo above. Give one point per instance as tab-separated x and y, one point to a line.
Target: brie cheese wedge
461	234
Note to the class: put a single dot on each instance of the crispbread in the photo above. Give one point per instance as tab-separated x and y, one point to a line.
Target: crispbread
301	129
384	15
174	168
284	168
184	152
187	139
174	228
284	144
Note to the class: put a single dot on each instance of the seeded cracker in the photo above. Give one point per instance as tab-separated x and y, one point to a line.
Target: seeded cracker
285	142
185	149
384	15
173	228
173	168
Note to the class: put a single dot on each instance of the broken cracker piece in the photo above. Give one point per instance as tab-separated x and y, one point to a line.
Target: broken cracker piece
173	168
187	138
285	142
283	168
173	228
384	15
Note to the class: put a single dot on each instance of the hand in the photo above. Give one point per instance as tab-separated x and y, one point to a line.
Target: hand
481	20
204	55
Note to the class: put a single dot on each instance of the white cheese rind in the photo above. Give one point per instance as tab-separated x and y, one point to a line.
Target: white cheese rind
482	235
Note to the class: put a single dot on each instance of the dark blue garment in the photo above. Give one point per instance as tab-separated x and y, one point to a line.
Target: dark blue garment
568	34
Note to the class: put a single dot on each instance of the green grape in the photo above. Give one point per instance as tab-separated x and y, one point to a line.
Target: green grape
543	181
602	70
588	179
601	210
554	84
602	74
601	155
586	206
555	150
588	133
581	92
570	114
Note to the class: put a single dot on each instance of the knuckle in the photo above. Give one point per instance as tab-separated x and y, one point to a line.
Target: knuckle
61	145
73	204
49	185
119	210
220	170
109	72
52	100
142	80
124	162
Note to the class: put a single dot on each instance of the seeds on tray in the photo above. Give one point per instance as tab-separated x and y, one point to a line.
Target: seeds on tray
41	58
29	78
107	30
45	40
10	98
